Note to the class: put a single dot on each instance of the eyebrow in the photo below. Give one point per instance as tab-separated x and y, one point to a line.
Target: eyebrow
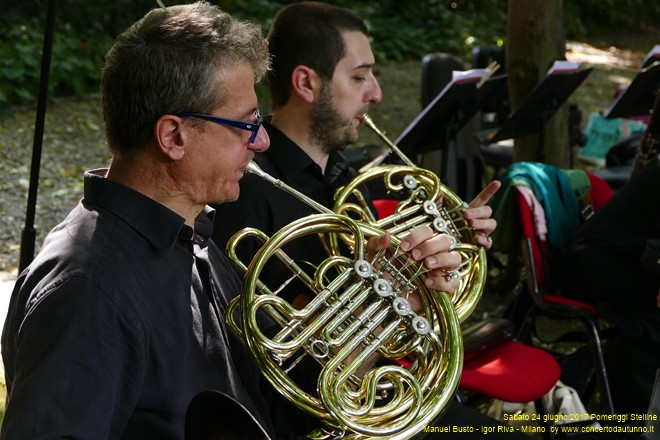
247	113
364	66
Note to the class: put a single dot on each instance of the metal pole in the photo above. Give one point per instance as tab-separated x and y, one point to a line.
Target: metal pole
29	235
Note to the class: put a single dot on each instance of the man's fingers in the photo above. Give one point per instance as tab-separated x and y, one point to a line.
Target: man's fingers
416	237
375	244
483	226
486	194
447	261
478	212
484	241
438	280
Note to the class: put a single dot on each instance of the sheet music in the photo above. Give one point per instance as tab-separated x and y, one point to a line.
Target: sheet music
542	103
457	77
461	76
451	108
561	66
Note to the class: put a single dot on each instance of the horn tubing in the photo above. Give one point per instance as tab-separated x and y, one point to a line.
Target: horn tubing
347	315
366	120
467	295
253	168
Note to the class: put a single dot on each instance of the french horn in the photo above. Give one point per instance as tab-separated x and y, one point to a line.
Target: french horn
424	200
389	350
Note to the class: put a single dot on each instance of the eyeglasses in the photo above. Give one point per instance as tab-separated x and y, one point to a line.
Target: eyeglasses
247	126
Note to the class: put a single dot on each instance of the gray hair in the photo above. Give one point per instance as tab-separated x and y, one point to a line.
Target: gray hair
166	63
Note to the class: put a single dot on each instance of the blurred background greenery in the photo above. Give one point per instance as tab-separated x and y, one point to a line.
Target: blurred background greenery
401	31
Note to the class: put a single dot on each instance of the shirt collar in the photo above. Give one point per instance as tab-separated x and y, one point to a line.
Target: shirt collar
290	159
287	156
156	223
338	169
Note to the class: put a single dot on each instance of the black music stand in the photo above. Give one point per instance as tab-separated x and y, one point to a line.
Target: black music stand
652	56
540	106
638	98
450	110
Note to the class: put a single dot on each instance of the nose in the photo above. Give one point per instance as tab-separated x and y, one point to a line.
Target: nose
262	142
376	93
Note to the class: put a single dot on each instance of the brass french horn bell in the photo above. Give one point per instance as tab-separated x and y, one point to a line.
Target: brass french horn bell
386	368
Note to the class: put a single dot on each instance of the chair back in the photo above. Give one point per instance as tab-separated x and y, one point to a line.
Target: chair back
546	235
545	208
536	254
533	248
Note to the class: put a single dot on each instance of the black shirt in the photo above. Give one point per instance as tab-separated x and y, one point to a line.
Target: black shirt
606	262
115	326
630	219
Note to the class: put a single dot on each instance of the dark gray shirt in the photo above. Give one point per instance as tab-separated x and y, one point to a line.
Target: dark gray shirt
117	325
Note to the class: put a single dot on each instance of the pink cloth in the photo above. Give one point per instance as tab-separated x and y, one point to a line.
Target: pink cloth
537	209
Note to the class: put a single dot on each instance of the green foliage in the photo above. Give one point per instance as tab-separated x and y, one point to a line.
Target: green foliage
257	11
19	63
401	30
75	61
603	16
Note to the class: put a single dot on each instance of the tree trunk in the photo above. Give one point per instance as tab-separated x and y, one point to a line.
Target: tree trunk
535	38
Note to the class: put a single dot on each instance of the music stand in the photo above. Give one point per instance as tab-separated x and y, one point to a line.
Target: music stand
652	56
540	106
450	110
638	98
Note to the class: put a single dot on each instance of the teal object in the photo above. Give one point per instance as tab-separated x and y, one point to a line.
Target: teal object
554	192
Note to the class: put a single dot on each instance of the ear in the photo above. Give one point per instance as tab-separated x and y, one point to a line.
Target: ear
306	83
170	136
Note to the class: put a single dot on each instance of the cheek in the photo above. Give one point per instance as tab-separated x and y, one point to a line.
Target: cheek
226	188
228	172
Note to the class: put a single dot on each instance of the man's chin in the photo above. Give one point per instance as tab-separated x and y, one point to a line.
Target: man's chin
351	137
228	198
350	140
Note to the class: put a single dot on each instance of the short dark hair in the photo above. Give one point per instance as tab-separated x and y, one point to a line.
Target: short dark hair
167	62
310	34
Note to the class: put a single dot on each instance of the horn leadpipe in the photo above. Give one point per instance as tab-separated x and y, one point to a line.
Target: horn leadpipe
366	120
253	168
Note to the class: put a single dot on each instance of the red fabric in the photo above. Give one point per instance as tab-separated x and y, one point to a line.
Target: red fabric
572	302
512	372
601	192
528	230
385	207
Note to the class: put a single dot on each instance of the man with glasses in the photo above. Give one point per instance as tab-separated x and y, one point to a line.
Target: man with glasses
321	83
118	322
117	330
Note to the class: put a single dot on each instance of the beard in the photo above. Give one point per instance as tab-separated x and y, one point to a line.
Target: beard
330	129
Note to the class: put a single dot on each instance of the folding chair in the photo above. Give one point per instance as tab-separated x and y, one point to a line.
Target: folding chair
547	300
498	367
